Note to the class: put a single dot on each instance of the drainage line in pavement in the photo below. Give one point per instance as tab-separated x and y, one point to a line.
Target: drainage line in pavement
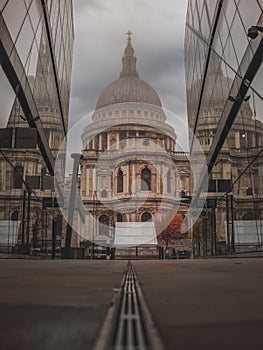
128	324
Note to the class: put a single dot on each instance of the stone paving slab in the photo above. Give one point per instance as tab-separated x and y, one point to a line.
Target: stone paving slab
196	304
205	304
55	304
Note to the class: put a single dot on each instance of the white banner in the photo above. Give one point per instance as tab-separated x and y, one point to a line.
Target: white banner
247	231
134	234
9	232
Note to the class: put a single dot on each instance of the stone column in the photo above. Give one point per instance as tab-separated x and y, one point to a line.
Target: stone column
125	181
100	142
108	141
237	137
117	140
90	181
87	180
162	179
3	165
94	179
82	182
129	175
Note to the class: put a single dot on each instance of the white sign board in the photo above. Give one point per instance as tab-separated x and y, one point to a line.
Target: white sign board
9	232
247	231
132	234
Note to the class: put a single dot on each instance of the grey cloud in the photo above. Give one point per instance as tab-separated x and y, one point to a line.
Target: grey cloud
81	5
100	40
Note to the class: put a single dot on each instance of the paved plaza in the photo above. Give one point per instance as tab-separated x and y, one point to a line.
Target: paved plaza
205	304
196	304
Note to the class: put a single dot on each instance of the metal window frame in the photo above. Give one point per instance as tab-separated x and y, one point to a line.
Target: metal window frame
228	119
15	73
53	61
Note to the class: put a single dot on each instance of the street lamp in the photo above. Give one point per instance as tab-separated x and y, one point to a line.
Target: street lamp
252	32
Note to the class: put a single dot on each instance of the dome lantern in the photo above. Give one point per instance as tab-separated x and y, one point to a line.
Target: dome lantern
129	60
129	87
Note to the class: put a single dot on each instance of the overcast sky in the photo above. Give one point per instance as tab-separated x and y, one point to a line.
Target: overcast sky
158	35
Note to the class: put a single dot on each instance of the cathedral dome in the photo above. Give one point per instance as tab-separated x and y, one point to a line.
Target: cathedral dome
129	87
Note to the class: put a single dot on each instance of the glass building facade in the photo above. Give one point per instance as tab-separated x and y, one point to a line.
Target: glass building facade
36	44
224	78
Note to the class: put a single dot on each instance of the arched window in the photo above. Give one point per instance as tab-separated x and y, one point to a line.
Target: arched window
14	215
182	194
120	181
146	217
103	225
104	193
18	176
119	217
169	182
146	179
249	216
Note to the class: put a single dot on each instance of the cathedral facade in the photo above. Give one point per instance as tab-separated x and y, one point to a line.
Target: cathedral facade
130	169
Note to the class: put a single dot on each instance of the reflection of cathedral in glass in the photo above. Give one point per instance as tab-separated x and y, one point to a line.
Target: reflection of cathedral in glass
37	75
224	99
130	171
44	90
238	150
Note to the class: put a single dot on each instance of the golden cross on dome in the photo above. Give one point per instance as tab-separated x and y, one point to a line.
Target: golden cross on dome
129	35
